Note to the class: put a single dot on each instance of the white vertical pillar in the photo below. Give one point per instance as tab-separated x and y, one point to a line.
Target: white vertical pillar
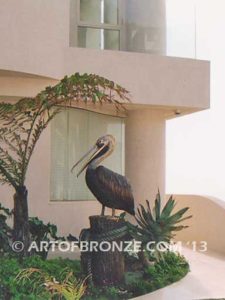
145	153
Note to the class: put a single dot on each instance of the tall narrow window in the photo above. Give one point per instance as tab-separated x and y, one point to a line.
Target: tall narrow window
99	24
73	132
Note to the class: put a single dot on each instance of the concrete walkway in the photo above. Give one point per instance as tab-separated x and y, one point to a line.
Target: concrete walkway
206	279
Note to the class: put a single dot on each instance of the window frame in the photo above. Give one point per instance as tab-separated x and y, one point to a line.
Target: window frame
115	27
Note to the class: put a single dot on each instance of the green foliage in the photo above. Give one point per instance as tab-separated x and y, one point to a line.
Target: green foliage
44	284
5	230
53	267
158	224
132	277
164	272
170	269
35	278
106	293
61	271
22	123
41	232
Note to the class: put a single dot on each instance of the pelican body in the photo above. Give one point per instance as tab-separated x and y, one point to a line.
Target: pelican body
110	189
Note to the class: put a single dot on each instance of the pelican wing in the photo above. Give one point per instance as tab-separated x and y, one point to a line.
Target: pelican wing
117	188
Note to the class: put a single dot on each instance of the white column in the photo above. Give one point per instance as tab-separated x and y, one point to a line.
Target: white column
145	153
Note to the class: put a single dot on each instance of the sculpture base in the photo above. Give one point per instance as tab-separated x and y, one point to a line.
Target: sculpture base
107	262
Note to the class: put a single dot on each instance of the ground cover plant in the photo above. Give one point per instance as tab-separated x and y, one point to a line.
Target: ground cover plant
34	278
167	270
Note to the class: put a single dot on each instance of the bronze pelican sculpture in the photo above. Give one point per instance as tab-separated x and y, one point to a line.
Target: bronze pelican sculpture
111	189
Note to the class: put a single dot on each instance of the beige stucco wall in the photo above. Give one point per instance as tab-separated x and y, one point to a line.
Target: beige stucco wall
35	39
159	81
207	223
33	35
20	86
151	79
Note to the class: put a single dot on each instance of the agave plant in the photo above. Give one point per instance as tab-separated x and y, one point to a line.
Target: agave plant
157	224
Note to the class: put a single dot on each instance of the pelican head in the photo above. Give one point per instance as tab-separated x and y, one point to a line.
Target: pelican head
103	147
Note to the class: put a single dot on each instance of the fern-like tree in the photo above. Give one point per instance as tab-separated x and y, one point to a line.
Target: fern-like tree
22	123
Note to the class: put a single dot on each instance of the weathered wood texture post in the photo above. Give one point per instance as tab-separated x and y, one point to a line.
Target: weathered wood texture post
107	267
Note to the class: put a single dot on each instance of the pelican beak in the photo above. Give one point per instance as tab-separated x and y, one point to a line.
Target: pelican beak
96	150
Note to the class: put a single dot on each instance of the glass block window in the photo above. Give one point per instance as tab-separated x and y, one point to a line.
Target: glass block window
73	132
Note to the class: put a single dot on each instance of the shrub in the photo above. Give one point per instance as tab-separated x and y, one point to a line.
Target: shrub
42	279
56	269
171	268
39	232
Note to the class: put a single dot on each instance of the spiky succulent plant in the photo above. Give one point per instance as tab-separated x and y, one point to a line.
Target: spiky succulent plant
158	224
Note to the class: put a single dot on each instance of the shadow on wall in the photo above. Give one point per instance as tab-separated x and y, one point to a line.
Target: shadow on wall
207	223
